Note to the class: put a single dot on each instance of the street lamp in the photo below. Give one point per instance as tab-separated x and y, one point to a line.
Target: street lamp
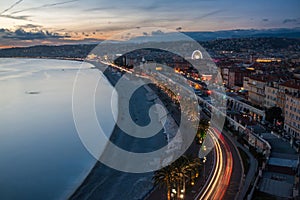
204	160
173	193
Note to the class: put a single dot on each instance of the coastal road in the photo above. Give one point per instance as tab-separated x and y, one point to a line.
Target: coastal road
226	178
218	182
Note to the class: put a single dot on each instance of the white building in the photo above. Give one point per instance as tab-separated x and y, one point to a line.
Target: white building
256	90
271	91
292	114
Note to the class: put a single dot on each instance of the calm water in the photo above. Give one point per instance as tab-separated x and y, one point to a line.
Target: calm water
41	155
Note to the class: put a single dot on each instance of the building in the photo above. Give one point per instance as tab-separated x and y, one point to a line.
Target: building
292	114
233	76
262	89
291	86
236	76
256	89
246	86
271	90
225	75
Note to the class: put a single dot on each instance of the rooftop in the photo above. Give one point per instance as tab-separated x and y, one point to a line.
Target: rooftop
276	187
283	162
265	78
292	83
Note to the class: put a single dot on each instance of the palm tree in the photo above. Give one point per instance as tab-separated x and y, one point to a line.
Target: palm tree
183	170
165	176
186	170
202	130
194	173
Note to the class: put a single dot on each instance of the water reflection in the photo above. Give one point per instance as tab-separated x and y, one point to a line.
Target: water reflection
41	156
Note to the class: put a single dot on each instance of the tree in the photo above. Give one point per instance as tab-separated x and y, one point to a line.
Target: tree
182	169
177	174
165	176
186	170
202	130
274	113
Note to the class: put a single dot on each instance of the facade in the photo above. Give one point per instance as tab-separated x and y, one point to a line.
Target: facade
262	89
290	86
271	91
233	76
256	90
292	114
236	76
245	83
225	76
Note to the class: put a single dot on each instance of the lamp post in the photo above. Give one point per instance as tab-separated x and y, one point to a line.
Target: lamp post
181	196
204	160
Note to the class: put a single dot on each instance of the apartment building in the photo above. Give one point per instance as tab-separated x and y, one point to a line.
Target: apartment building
256	89
292	114
291	86
271	90
233	76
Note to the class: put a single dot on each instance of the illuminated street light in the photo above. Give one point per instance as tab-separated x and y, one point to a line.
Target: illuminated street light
204	160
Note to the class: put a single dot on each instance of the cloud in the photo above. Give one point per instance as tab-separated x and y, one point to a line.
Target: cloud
22	17
150	7
178	28
32	26
100	8
209	14
26	17
21	34
43	6
12	6
289	21
265	20
158	32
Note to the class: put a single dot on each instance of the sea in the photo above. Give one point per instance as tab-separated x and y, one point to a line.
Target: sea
41	154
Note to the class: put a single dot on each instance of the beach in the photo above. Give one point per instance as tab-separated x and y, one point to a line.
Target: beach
106	183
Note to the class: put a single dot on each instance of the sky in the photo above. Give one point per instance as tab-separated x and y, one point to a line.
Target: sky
30	22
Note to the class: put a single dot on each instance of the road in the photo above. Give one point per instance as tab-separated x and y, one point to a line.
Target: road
218	182
224	180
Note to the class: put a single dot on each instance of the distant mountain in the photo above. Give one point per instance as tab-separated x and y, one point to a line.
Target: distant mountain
244	33
160	36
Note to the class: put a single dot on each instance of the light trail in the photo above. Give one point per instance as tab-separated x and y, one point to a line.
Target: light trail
217	172
116	66
219	181
227	171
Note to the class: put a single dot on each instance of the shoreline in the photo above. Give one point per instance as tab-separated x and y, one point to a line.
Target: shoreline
97	163
88	184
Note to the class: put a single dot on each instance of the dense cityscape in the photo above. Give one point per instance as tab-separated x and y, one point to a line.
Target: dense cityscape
262	81
150	100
